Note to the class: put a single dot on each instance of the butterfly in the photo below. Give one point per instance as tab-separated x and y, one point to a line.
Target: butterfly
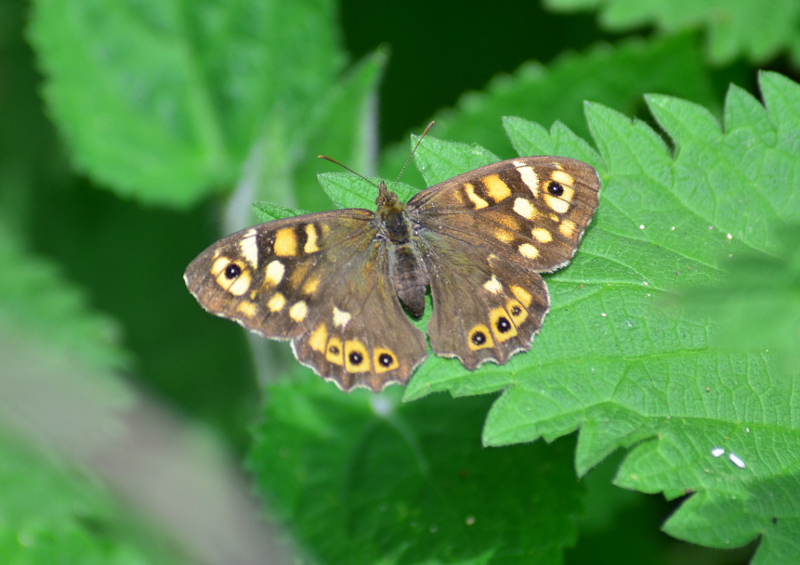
340	285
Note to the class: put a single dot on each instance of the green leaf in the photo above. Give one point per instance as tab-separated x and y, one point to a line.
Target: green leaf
363	478
440	160
735	28
164	101
285	171
621	360
269	211
347	190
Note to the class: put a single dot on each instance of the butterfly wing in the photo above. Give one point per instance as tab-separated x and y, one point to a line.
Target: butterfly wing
485	236
318	280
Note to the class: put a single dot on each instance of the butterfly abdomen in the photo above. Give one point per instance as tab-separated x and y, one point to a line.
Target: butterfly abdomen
410	279
406	268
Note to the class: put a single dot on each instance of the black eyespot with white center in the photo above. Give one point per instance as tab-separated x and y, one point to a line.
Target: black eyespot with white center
516	310
232	271
355	358
555	189
503	325
333	350
479	338
385	360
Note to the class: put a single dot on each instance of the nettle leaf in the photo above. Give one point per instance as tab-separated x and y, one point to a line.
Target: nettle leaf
164	101
621	360
364	478
734	27
347	190
269	211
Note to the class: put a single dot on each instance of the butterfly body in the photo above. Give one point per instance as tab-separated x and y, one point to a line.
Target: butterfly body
336	283
407	270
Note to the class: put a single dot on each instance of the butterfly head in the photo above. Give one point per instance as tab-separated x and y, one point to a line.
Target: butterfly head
388	202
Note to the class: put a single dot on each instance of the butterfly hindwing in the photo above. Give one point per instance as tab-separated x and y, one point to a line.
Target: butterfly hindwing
506	306
361	337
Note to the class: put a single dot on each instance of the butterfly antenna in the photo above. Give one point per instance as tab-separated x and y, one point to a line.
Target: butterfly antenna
421	137
346	168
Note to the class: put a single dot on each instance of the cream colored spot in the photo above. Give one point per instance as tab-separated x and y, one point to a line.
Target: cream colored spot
568	193
285	242
542	235
241	284
493	285
247	308
562	178
276	302
524	208
522	295
496	188
311	239
319	339
530	178
249	246
567	228
340	317
504	235
476	200
275	272
528	251
310	286
298	311
219	265
560	206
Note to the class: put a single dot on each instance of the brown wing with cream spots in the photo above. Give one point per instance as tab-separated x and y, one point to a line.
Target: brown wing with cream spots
315	280
494	229
538	207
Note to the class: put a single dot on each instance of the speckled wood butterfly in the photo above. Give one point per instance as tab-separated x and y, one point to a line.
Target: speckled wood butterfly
340	284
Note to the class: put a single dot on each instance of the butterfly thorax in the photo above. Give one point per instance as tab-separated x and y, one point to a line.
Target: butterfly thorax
406	267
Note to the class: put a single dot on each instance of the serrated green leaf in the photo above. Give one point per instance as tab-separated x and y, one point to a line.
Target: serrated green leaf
363	478
269	211
165	101
735	27
440	160
347	190
619	359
